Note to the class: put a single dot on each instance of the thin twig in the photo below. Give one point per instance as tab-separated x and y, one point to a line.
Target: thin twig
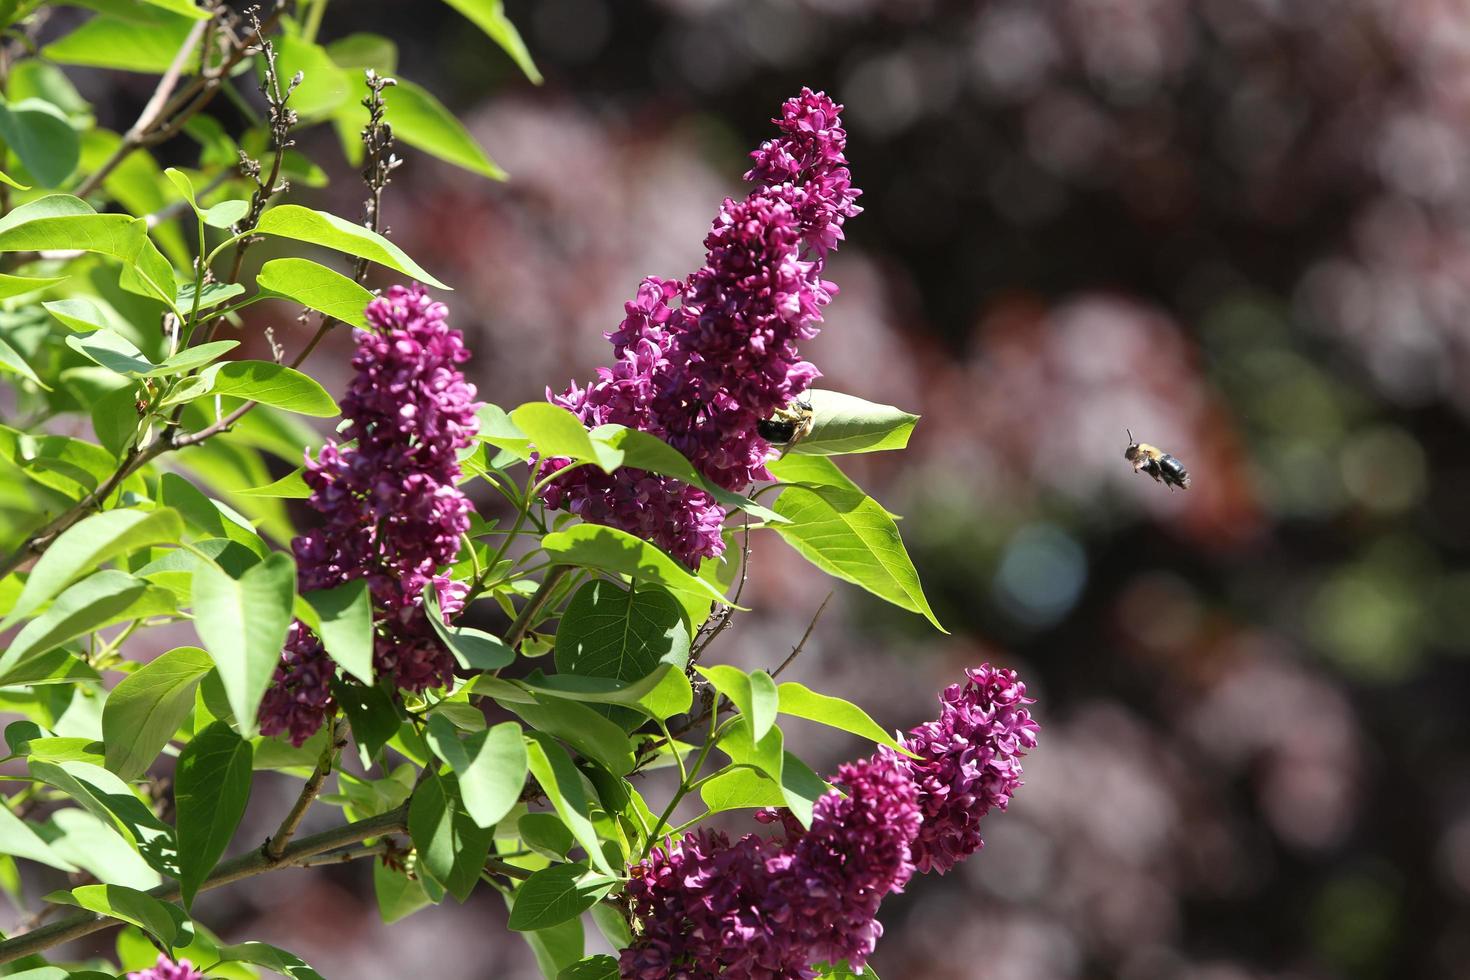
247	865
509	870
796	650
535	604
166	84
275	845
728	612
188	101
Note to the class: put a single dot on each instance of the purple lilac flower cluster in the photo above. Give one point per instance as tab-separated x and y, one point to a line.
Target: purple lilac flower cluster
969	761
167	969
391	512
757	909
700	362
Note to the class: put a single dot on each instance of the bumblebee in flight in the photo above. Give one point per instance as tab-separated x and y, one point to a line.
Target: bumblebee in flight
788	426
1156	463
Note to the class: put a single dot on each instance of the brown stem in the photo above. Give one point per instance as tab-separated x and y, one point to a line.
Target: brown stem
796	650
245	866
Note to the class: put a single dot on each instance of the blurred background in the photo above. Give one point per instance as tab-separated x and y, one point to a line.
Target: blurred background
1240	228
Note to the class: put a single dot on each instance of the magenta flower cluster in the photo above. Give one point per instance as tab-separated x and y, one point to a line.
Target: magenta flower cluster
391	511
167	969
700	362
969	761
758	909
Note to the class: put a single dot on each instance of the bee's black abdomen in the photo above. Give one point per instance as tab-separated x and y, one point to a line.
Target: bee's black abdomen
1173	472
775	430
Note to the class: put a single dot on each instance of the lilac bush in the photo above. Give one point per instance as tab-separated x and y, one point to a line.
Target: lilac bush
462	748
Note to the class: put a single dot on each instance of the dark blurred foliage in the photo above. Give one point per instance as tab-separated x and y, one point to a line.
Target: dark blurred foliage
1239	227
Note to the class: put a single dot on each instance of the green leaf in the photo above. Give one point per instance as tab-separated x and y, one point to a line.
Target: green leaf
314	285
112	42
451	848
291	486
562	784
841	971
115	419
622	634
800	701
42	137
271	957
329	231
800	786
599	967
58	666
556	948
242	623
211	788
77	313
20	285
111	350
473	649
613	926
556	894
185	7
644	451
192	357
546	833
90	844
584	729
112	801
274	384
226	213
613	550
19	840
372	714
345	626
212	295
818	471
11	360
554	431
324	87
92	603
49	206
148	706
741	789
491	766
662	693
360	51
399	896
420	120
489	16
847	424
53	224
754	694
59	749
763	703
127	904
849	535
